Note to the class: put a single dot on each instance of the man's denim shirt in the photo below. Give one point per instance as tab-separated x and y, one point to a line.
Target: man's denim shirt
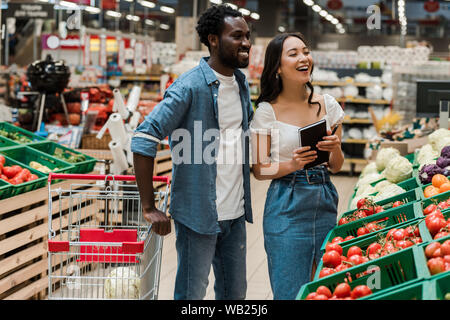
190	103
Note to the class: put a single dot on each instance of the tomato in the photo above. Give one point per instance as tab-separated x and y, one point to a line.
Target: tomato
331	259
431	248
436	265
379	209
325	272
389	234
397	204
438	180
429	209
32	177
356	259
372	227
349	238
354	250
342	290
362	202
430	191
360	215
16	180
2	159
373	248
321	297
435	225
445	248
342	221
368	210
9	172
362	231
341	267
440	234
333	246
311	296
442	204
437	253
360	291
325	291
337	240
404	244
399	234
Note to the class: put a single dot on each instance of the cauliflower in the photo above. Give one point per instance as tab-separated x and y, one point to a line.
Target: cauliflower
389	191
383	157
442	143
367	179
398	169
436	136
365	190
369	168
122	283
381	185
426	154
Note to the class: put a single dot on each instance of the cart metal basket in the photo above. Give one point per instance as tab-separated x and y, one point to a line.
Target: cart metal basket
101	247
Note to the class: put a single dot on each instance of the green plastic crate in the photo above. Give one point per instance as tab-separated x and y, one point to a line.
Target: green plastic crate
364	243
406	197
52	148
435	199
397	216
439	286
397	269
6	143
25	155
10	128
5	189
26	186
416	291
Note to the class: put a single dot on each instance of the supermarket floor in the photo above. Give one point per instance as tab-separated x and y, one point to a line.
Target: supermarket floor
258	286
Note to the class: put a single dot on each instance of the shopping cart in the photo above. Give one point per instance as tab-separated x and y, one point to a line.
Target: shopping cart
99	246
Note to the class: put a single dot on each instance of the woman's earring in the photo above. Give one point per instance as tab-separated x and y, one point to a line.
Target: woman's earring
277	76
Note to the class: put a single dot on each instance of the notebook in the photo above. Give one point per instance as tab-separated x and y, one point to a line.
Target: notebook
310	136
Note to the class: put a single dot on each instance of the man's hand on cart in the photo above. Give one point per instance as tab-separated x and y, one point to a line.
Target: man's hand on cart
160	221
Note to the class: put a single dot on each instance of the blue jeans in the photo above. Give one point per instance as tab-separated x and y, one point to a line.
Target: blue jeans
225	251
300	210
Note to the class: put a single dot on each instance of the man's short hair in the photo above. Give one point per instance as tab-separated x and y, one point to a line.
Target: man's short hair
212	21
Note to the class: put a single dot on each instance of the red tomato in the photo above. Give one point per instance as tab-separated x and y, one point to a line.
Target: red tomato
435	225
373	248
360	291
2	159
321	297
356	259
445	248
399	234
333	246
431	248
325	291
440	234
337	240
311	296
404	244
372	227
342	290
349	238
362	231
341	267
361	202
354	250
379	209
397	204
331	259
436	265
389	234
32	177
325	272
342	221
9	172
429	209
443	205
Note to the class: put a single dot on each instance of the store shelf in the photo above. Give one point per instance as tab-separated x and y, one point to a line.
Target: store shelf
362	101
357	121
136	78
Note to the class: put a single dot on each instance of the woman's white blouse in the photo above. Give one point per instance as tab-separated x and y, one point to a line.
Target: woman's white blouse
284	136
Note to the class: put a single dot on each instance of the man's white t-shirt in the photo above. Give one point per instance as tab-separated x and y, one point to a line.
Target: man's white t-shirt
230	180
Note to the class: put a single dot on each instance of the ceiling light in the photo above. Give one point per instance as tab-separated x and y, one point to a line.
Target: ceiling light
308	2
244	11
334	21
254	15
68	4
167	9
233	6
147	4
149	22
323	13
341	31
216	1
113	14
164	26
129	0
132	18
329	17
92	10
281	29
316	8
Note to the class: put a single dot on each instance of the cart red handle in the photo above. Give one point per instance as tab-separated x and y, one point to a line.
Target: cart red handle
72	176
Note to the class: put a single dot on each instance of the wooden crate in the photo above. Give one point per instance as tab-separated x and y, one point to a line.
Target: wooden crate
23	244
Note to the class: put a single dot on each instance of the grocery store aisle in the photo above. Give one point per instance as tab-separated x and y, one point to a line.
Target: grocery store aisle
258	287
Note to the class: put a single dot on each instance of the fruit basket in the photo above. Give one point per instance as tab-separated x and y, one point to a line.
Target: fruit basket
386	273
389	218
40	182
82	163
16	135
26	155
364	243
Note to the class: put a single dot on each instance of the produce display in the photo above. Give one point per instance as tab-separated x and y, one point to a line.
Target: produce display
40	167
343	291
15	136
72	158
15	174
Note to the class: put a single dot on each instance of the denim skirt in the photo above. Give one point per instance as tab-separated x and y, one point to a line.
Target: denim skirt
300	210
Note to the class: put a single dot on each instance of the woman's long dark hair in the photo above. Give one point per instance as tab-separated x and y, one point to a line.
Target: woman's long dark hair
271	85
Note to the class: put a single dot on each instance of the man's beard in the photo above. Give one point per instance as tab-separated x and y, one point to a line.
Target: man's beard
230	60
